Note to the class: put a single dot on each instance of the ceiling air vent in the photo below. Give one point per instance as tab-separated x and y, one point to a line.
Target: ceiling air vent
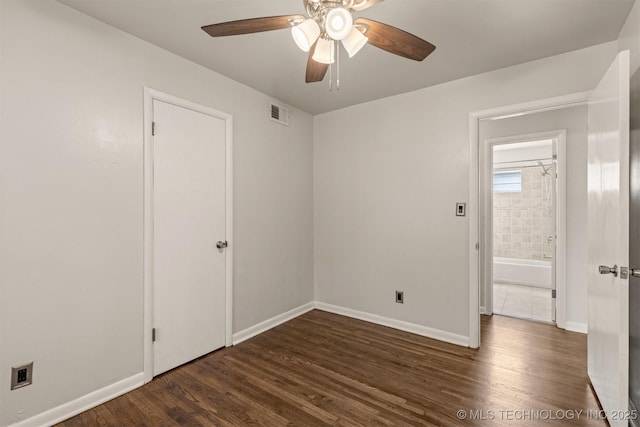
279	114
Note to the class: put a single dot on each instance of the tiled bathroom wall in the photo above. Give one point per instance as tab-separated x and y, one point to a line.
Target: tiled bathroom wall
523	221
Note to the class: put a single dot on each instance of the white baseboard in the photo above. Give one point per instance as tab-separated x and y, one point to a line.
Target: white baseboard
424	331
261	327
483	310
81	404
576	327
368	317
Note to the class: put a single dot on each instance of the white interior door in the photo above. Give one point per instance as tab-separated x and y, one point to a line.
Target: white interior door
188	221
608	218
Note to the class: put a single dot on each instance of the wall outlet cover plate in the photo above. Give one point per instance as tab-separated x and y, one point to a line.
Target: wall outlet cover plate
21	376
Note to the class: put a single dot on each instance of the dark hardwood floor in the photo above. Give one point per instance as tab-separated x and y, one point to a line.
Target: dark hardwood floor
325	369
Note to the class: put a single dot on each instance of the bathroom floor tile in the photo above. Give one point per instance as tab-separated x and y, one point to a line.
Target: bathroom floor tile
499	296
541	293
524	302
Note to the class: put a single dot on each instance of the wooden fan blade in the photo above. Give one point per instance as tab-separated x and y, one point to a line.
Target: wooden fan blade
253	25
365	4
315	70
395	40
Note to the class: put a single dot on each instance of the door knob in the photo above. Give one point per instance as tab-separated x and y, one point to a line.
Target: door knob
221	244
603	269
635	272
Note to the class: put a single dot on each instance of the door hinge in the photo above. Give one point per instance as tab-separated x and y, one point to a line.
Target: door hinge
153	335
553	293
153	128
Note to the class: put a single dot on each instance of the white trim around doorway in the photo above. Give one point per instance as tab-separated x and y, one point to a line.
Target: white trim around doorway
149	96
548	104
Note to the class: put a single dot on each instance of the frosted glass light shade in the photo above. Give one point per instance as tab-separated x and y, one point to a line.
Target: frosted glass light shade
354	41
324	51
306	34
338	23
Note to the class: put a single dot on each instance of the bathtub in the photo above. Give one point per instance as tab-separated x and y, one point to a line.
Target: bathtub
529	272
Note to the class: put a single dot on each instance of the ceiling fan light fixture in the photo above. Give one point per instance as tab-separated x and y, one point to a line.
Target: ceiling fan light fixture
324	51
354	41
327	22
306	34
338	23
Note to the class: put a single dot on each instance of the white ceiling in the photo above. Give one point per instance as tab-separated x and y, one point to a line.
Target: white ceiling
471	36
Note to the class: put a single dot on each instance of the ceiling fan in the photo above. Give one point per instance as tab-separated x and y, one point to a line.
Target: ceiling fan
328	22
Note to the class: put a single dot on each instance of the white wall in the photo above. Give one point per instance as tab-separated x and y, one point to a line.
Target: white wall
629	37
71	190
387	176
574	120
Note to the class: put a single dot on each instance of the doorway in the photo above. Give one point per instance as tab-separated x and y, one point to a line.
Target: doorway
188	212
477	227
564	118
524	234
523	199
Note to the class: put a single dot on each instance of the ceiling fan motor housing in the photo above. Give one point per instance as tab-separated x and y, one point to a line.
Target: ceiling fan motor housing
332	15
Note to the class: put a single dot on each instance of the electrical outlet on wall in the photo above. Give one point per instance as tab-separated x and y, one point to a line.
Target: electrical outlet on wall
21	376
400	297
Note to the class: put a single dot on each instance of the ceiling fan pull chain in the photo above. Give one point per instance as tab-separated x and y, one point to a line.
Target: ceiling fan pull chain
331	68
337	65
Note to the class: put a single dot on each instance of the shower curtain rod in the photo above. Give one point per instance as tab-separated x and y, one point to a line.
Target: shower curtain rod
507	167
523	161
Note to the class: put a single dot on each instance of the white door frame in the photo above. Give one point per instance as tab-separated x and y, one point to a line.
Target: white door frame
474	189
149	96
486	250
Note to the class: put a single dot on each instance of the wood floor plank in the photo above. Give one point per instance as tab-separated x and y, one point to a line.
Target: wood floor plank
325	369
